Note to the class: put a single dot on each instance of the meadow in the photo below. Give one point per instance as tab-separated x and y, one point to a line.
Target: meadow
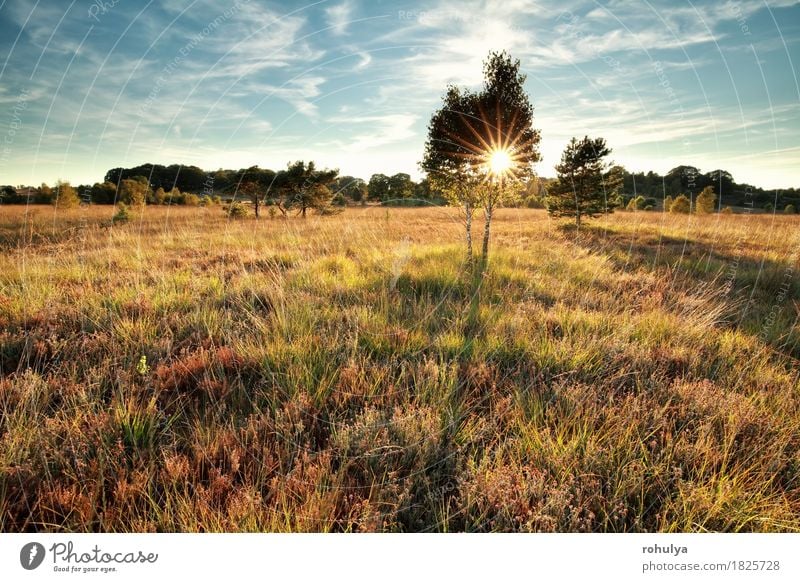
188	372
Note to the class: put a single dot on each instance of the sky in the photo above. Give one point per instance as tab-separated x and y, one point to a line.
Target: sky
86	86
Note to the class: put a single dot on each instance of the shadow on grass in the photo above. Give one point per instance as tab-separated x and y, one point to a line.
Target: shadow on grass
766	289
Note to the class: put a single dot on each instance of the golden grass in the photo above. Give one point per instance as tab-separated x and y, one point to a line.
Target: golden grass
350	373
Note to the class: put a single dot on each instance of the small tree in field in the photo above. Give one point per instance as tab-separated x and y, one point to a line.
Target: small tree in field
448	161
668	203
681	205
303	186
250	187
581	190
65	196
705	203
482	146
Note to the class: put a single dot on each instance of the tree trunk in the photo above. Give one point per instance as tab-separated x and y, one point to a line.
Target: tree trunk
487	213
578	219
303	211
468	212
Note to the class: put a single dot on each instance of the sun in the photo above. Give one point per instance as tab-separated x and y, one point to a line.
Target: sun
500	162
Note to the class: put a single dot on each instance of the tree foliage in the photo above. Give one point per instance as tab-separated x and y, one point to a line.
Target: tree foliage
705	203
581	190
681	205
302	186
469	128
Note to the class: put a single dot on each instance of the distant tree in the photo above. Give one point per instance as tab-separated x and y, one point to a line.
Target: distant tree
637	203
789	209
134	191
159	196
65	196
254	183
581	189
378	188
667	203
8	195
105	193
681	205
303	186
722	182
726	210
353	188
45	195
683	179
705	203
401	186
422	189
615	185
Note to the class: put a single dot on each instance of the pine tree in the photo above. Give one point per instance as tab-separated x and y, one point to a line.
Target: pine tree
581	189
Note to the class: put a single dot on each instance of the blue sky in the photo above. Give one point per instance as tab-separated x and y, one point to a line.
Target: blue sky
352	84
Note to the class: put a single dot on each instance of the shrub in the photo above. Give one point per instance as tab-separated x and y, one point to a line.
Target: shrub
65	196
681	205
705	201
727	210
159	196
191	199
789	209
769	207
637	203
667	203
123	214
237	210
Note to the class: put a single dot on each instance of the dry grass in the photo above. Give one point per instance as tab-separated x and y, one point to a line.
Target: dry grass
347	373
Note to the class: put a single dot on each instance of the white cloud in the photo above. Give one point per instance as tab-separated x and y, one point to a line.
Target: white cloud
339	17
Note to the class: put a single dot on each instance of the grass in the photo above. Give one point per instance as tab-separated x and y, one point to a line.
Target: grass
187	372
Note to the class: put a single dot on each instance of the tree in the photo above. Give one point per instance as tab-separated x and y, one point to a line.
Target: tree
159	196
447	159
705	202
471	132
303	186
254	183
667	203
401	186
581	188
637	203
378	187
615	185
683	179
721	180
681	205
353	188
134	191
65	196
506	114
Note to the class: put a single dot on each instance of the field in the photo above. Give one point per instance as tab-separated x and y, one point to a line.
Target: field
186	372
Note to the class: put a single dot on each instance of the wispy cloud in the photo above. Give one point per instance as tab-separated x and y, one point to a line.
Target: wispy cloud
339	17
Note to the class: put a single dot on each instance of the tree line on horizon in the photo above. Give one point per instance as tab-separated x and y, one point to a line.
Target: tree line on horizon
463	134
183	187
